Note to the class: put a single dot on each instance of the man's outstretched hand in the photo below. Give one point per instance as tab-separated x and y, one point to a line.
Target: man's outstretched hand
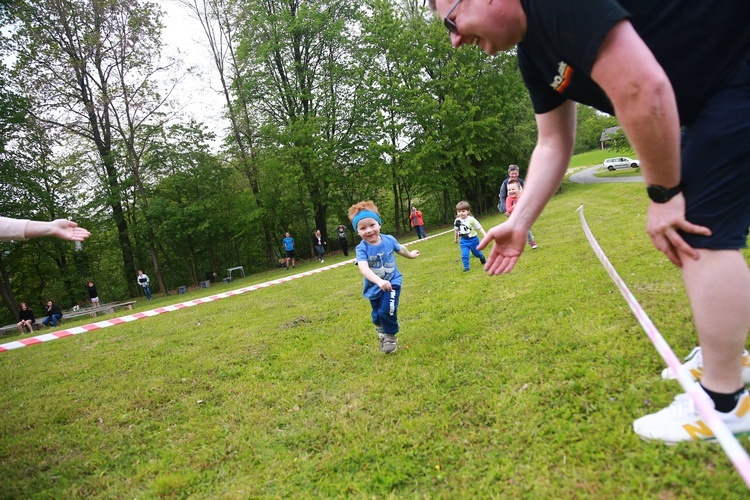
509	243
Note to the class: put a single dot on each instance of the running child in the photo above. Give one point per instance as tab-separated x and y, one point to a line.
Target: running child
466	228
377	263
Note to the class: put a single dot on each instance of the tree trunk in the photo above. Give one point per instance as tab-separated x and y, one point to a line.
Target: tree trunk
6	291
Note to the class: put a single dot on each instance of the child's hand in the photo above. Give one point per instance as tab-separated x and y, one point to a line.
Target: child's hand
507	214
415	254
385	285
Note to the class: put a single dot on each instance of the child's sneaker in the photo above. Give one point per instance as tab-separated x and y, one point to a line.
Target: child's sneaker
680	421
466	270
388	343
533	244
483	260
379	331
694	364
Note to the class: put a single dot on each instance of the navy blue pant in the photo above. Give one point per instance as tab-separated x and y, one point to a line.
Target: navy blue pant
469	245
716	167
385	310
52	318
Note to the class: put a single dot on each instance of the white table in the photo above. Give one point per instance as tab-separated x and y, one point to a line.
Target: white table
238	268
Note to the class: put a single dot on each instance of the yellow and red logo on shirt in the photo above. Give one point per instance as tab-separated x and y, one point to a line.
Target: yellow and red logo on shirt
562	78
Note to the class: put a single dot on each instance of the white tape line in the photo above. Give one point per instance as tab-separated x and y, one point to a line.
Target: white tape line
729	443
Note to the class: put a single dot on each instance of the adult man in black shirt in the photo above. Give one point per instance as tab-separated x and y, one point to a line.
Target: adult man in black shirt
657	65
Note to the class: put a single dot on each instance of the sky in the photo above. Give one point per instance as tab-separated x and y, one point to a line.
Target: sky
199	92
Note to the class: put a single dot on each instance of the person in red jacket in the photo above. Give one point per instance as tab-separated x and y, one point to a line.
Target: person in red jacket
514	192
417	222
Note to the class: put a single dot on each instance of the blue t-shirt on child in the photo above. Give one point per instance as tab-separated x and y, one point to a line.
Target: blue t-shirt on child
382	262
288	243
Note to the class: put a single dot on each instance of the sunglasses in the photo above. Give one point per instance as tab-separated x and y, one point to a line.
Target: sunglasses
449	23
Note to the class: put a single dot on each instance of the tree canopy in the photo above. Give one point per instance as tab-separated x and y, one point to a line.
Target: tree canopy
329	103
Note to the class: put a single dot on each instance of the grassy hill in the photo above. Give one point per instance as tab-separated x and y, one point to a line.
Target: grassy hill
523	385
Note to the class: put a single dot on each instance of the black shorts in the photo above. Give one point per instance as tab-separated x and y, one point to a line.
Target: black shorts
716	167
290	254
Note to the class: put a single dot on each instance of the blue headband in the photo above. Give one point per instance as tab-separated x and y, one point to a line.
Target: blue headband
365	214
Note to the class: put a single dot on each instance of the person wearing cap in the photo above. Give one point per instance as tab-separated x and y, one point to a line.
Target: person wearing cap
513	172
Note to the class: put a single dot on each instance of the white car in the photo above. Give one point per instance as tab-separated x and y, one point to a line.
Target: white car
620	162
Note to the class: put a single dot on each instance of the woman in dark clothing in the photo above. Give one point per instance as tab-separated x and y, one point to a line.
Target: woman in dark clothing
26	318
343	243
319	244
93	294
54	314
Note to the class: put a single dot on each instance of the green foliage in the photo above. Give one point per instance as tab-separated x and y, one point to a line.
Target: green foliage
522	385
590	125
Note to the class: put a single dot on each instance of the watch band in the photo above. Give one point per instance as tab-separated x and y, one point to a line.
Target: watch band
661	194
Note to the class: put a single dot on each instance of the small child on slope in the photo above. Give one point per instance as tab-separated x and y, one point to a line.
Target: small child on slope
466	228
377	263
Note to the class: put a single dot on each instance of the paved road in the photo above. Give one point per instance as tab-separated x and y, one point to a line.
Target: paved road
587	177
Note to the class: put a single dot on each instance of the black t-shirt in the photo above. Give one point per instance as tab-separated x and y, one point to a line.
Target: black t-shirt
699	43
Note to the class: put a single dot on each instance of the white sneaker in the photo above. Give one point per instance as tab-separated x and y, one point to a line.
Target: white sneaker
694	363
681	421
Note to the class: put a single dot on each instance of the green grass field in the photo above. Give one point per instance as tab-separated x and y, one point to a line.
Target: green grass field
523	385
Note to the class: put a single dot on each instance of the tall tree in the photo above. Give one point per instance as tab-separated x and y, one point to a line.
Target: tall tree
297	61
67	51
218	19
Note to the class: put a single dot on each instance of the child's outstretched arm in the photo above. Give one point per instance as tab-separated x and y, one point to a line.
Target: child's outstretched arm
409	254
372	277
